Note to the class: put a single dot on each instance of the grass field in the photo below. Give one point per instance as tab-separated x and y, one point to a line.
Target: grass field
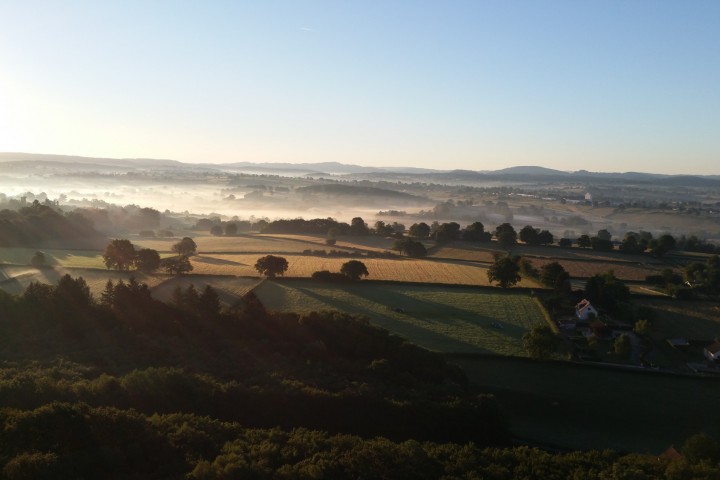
686	319
581	407
14	279
229	289
63	258
442	319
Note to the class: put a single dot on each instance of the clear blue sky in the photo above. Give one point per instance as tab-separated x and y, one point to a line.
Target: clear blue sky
600	85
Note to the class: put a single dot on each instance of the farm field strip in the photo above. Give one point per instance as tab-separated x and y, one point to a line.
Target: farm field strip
443	319
686	319
405	270
63	258
14	279
268	243
230	290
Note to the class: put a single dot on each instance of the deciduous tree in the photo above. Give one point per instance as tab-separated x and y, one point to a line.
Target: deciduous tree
119	254
504	271
270	265
354	269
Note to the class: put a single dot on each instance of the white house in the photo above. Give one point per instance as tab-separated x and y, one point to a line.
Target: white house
583	310
712	352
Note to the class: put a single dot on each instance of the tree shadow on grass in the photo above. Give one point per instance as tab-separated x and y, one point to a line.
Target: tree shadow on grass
410	325
217	261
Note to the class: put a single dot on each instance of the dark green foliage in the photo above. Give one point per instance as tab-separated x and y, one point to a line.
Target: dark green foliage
606	291
147	260
601	244
584	241
475	232
319	226
540	342
176	265
505	271
411	248
419	230
119	254
354	269
186	246
506	235
358	227
447	232
270	265
38	224
553	275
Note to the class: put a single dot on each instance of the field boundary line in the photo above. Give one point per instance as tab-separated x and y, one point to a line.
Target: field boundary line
546	315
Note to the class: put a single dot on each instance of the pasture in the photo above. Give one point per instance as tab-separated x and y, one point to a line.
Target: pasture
62	258
230	290
14	279
446	319
577	406
697	320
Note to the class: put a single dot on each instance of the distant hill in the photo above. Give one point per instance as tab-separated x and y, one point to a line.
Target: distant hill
529	173
529	170
352	190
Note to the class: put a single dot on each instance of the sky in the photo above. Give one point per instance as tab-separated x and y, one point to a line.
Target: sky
607	85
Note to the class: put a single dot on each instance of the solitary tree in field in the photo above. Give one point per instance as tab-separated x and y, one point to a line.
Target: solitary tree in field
119	254
354	269
504	271
270	265
38	260
186	246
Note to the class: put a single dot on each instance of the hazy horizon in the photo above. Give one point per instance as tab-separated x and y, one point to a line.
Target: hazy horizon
598	86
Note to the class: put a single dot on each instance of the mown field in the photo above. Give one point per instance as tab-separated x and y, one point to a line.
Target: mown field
452	319
582	407
400	270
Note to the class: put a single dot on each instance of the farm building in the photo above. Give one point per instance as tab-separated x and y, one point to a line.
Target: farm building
584	309
712	352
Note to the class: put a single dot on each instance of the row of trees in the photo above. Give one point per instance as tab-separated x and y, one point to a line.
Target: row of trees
121	254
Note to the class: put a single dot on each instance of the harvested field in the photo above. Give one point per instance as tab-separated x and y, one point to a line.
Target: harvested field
401	270
623	271
457	319
250	243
